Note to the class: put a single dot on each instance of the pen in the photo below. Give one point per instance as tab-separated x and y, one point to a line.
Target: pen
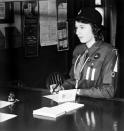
56	88
76	85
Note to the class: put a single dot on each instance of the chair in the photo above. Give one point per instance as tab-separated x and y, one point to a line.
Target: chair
54	78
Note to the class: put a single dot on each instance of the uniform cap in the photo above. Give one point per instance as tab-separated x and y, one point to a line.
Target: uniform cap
90	15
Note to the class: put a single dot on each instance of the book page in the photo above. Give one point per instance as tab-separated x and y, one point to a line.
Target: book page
70	106
52	97
67	107
63	96
67	95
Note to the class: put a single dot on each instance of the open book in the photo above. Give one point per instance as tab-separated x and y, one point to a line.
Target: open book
63	96
56	111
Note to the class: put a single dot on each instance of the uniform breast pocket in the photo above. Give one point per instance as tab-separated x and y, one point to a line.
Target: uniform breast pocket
92	70
96	70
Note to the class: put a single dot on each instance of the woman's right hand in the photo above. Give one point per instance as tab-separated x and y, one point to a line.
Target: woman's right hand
54	88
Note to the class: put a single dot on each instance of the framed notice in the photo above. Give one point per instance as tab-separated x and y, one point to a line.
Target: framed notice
30	28
62	36
48	22
6	12
2	11
62	26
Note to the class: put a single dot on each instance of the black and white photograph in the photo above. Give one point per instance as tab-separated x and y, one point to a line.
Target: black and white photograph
61	65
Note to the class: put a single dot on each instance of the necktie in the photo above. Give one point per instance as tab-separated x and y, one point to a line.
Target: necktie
79	66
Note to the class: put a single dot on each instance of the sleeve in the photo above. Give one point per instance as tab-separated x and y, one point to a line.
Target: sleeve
70	82
108	86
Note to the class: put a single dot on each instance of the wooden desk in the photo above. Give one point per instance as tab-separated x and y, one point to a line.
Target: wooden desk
96	115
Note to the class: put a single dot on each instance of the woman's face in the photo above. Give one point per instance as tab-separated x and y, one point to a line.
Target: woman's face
84	32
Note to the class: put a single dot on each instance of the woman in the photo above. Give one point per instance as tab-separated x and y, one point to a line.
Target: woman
94	64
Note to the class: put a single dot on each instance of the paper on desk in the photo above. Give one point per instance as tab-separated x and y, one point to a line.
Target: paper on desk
52	97
5	116
5	103
63	96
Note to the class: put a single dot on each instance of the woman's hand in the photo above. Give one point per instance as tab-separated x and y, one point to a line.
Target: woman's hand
55	88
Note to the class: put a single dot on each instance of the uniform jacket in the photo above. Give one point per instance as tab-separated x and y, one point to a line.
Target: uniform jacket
98	77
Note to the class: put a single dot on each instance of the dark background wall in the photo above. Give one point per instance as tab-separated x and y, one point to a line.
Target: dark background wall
120	42
31	71
15	65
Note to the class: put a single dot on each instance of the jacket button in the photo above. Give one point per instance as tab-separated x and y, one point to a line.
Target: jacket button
97	55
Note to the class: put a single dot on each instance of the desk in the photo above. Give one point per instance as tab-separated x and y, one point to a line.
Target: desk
96	115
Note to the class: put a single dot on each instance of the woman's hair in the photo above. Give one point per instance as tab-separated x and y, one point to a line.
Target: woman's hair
97	31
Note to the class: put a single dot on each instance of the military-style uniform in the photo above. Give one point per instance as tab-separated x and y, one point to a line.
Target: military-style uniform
96	75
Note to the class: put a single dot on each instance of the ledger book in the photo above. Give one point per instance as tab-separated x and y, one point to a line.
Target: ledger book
58	110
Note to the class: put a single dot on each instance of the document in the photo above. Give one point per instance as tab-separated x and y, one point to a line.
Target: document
53	97
63	96
67	95
5	103
56	111
5	116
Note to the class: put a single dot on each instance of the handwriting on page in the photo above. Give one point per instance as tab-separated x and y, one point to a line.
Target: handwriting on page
63	96
67	95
